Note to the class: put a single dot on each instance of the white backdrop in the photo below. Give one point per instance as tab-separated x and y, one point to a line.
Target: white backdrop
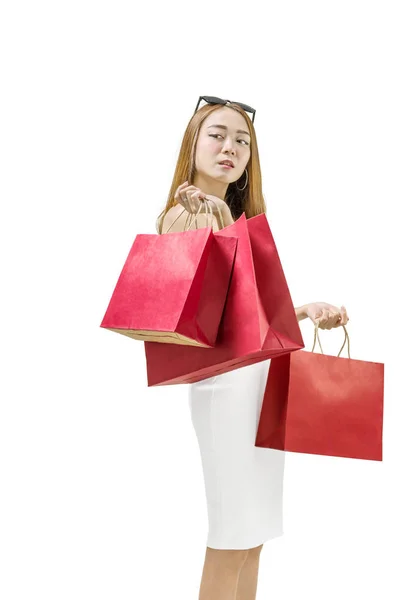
102	493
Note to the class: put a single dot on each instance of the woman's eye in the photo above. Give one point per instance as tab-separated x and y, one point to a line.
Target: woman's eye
215	135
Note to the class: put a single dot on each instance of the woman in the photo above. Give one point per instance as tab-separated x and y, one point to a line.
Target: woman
243	483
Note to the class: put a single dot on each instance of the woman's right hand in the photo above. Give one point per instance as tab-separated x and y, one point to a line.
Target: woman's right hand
191	197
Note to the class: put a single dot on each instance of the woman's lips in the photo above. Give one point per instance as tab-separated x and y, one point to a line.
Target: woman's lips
225	166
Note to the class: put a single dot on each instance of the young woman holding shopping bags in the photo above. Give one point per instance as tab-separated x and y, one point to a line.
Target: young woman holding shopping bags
219	164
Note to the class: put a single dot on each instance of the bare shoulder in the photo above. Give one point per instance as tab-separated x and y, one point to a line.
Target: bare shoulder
173	214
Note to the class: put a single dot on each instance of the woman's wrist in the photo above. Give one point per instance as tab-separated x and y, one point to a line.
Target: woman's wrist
301	312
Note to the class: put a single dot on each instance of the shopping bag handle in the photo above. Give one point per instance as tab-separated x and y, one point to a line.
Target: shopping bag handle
206	204
189	217
219	211
189	214
346	339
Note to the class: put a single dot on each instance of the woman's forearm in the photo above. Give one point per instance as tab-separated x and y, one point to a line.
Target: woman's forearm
301	312
227	216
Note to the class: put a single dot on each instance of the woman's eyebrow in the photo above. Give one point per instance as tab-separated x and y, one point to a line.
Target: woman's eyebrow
225	127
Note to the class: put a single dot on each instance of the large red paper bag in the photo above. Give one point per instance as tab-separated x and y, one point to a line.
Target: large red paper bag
320	404
259	320
172	288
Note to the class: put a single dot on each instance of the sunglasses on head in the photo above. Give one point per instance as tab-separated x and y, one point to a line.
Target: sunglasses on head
214	100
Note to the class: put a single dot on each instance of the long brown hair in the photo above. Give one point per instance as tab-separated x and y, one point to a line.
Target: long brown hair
250	200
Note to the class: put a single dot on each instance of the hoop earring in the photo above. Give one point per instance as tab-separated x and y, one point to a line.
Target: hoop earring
247	180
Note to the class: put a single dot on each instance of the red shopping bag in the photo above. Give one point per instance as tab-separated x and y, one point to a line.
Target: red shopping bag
320	404
172	288
259	320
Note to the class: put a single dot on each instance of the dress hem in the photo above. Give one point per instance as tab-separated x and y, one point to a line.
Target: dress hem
216	546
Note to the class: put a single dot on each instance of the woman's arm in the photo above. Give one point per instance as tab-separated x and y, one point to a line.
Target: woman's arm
301	312
226	215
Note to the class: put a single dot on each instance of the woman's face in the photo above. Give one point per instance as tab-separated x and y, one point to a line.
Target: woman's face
223	135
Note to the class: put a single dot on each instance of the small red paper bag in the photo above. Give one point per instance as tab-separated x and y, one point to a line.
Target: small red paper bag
172	288
259	320
320	404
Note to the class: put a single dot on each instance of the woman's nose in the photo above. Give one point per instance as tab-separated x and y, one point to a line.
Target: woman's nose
228	145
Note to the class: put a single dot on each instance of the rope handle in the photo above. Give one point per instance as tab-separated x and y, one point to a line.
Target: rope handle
219	210
190	215
346	339
207	207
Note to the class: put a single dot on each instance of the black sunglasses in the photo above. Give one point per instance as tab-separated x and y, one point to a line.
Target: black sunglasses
214	100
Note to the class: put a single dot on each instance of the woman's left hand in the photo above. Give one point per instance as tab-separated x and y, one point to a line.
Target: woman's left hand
326	315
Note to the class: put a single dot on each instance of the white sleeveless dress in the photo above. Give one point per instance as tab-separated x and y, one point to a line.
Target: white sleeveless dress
243	483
